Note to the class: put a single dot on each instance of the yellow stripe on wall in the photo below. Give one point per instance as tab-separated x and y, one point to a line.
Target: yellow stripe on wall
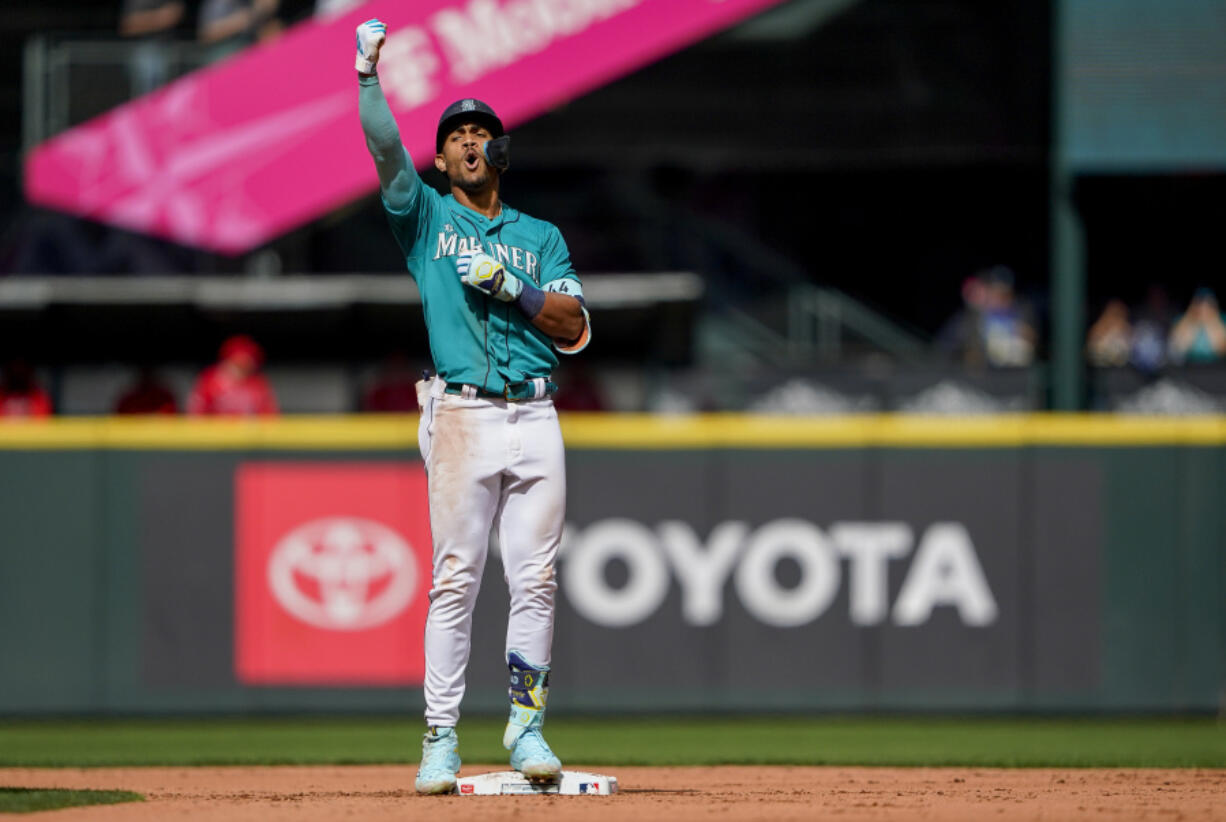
366	432
623	432
886	430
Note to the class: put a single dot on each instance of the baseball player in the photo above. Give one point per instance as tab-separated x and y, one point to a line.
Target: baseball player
500	298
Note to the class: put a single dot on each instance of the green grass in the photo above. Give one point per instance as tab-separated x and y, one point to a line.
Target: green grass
1008	742
27	800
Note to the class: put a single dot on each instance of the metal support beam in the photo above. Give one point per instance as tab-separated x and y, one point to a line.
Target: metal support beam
1067	245
1068	293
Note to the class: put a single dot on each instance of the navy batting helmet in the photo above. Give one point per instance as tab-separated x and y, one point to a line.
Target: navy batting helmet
468	110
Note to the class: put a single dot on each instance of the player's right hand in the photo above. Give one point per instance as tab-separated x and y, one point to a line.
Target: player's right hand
370	37
487	275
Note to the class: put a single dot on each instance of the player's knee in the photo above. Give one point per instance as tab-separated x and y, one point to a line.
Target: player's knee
453	595
536	588
454	578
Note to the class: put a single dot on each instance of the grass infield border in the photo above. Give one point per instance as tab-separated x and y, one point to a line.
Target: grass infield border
1122	742
29	800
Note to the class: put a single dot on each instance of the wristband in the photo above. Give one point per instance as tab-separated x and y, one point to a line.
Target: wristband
530	300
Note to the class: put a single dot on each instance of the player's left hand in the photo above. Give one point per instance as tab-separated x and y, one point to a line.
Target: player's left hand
484	273
369	37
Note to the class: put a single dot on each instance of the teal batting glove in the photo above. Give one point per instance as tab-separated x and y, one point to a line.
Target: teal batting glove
484	273
370	37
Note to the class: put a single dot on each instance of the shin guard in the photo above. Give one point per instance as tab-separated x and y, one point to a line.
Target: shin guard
529	688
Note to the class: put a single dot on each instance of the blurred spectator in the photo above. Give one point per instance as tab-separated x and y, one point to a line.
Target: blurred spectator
153	21
329	8
44	242
993	326
395	387
142	18
148	395
1007	325
229	26
1150	330
1109	342
1199	336
960	336
20	393
234	386
49	243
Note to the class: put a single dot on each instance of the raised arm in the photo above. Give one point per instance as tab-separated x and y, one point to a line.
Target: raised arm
397	177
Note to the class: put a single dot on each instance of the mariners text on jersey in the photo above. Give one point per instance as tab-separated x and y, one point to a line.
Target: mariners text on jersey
451	244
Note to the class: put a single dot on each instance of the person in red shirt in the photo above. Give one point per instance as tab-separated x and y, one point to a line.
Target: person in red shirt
20	393
148	395
234	386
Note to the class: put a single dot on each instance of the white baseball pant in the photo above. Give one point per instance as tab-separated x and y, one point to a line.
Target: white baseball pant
489	461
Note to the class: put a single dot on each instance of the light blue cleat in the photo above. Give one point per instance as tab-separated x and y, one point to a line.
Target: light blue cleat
531	756
530	753
440	761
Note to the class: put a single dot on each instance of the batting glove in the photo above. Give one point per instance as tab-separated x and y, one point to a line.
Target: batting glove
370	36
484	273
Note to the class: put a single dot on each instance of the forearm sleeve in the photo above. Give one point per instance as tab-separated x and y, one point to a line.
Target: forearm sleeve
397	176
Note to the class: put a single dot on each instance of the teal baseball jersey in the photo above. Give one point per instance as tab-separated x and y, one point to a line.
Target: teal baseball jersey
474	339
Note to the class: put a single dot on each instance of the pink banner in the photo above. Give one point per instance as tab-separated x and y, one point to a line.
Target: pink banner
234	155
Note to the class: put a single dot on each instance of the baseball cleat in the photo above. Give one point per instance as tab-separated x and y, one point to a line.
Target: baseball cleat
440	761
532	757
530	753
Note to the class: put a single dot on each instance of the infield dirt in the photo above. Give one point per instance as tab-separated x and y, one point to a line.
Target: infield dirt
306	794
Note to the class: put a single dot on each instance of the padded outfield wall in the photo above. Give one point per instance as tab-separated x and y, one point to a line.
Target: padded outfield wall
1006	563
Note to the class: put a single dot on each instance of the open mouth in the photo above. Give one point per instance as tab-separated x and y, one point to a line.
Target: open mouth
472	160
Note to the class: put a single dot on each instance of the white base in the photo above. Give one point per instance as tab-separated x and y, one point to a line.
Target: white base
572	783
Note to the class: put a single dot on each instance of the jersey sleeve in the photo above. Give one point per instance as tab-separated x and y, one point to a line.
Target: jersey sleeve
404	195
410	212
560	277
557	272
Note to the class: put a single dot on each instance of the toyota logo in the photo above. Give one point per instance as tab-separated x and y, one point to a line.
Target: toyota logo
343	573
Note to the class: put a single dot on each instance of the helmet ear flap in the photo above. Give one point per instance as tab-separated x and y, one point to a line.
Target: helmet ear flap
498	152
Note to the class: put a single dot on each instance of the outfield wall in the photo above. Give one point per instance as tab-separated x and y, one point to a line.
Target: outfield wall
753	563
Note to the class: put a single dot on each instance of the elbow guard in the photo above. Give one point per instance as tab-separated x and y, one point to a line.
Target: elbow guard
579	343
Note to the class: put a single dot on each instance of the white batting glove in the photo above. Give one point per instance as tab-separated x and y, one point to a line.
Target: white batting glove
484	273
370	37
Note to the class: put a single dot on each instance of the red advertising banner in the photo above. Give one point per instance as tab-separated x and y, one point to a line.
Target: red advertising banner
332	573
234	155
